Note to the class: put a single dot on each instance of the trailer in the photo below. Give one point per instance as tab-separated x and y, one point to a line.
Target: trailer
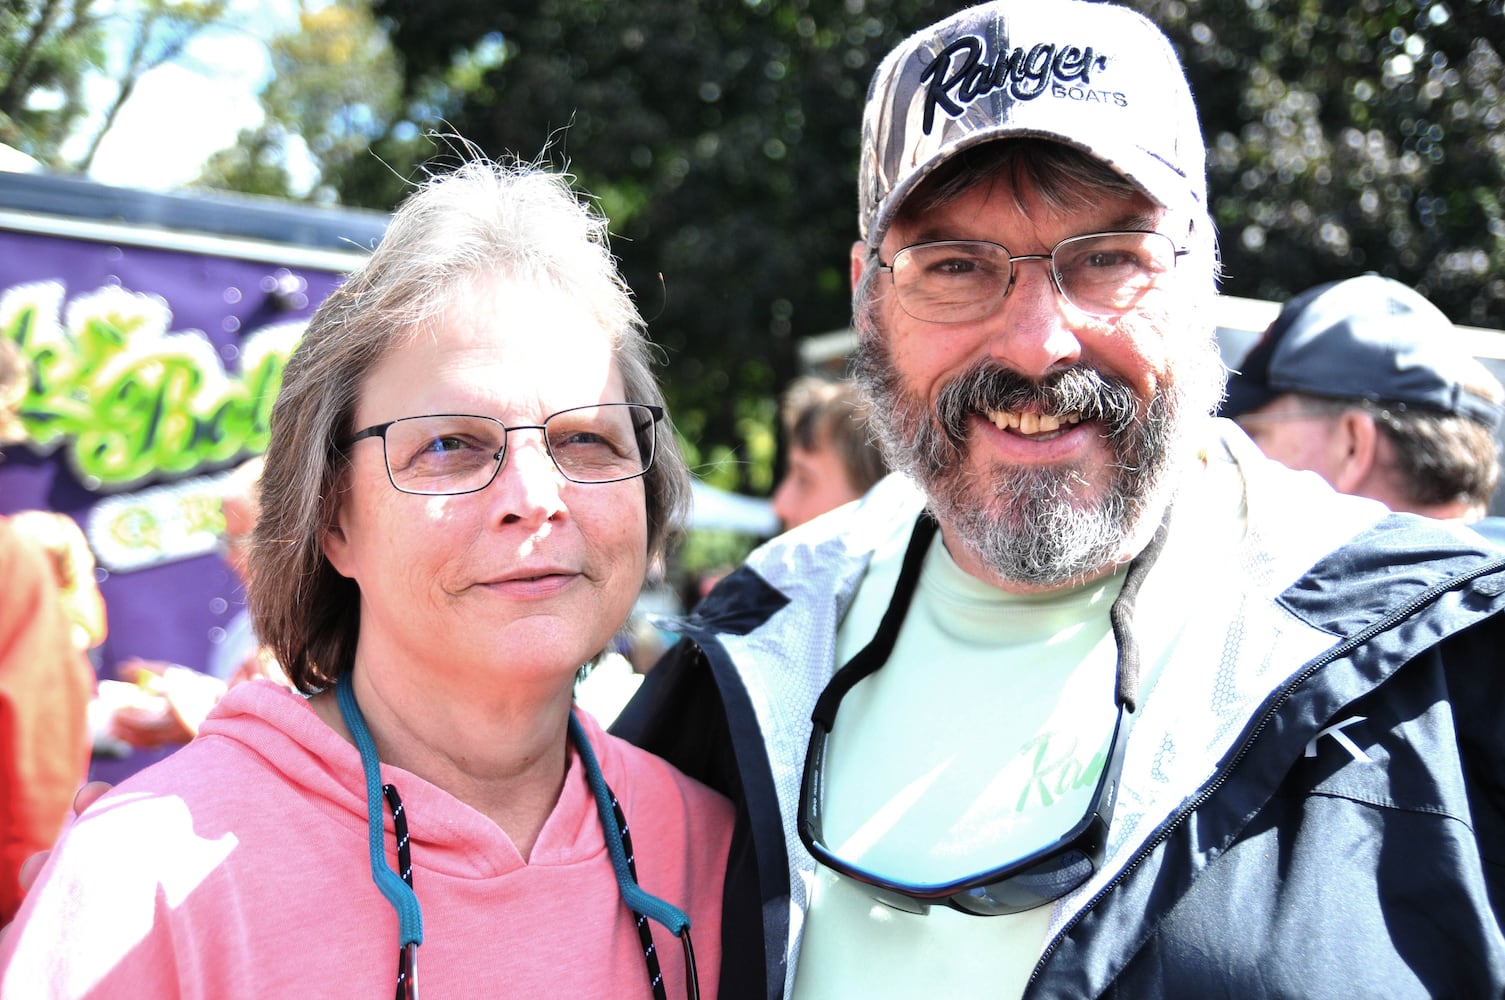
156	327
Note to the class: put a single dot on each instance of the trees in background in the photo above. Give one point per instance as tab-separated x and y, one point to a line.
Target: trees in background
51	50
721	139
1351	136
333	94
47	50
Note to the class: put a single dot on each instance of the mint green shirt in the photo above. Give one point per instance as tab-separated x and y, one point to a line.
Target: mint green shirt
1017	691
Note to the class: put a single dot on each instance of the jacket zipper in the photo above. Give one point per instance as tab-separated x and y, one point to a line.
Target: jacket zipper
1343	648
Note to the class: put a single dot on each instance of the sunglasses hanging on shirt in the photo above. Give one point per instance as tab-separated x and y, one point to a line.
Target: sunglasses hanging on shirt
1022	883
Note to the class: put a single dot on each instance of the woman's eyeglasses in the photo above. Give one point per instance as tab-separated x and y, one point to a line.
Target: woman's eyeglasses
449	453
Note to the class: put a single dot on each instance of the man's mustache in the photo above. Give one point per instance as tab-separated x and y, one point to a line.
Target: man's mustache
1078	389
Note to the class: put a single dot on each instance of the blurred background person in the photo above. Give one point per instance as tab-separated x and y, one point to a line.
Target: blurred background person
73	566
160	703
240	656
1363	381
833	458
46	682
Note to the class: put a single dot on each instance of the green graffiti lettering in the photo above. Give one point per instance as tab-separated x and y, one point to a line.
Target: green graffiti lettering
18	327
109	441
262	384
173	438
201	513
101	339
224	433
48	410
126	399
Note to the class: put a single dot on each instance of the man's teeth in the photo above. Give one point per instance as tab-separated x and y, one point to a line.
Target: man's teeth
1032	423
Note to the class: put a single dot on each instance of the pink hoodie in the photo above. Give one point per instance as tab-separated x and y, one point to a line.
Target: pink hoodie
239	866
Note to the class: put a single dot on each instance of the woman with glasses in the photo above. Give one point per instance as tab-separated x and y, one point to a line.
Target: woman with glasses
469	472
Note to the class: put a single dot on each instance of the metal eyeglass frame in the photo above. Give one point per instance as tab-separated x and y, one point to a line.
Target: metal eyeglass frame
655	413
1177	253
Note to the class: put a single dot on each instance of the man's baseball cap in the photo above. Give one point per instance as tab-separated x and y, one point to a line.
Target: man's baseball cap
1094	76
1369	338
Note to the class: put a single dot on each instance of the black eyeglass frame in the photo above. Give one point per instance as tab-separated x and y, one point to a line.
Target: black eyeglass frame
1084	842
1086	839
1177	252
656	414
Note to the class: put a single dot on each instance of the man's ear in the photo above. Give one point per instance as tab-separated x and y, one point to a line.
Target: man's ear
859	258
1357	444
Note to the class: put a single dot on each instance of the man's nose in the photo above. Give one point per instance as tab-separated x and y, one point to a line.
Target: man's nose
1033	331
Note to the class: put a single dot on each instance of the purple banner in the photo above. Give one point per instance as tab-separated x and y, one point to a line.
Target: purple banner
153	374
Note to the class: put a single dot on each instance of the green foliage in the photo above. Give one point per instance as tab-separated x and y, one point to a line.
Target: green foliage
51	51
154	32
332	102
48	48
1346	137
721	139
705	551
256	164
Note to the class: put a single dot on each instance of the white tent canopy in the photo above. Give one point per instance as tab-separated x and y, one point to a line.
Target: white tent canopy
722	510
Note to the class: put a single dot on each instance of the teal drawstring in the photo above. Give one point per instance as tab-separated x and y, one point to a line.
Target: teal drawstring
398	893
637	900
405	902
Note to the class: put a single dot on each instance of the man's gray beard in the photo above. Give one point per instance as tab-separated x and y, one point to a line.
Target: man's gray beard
1031	525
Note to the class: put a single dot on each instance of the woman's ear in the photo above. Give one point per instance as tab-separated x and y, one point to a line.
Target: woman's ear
336	545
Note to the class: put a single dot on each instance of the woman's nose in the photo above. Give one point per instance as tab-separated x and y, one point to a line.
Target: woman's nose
529	483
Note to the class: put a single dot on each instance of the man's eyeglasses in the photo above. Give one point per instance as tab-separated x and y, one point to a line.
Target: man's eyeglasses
450	453
959	281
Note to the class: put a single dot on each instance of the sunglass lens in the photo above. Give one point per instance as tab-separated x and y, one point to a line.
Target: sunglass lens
1045	883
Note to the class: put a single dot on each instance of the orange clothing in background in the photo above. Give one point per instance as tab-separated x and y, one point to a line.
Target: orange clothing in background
45	686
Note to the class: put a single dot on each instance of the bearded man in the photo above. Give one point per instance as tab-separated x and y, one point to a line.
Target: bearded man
1088	698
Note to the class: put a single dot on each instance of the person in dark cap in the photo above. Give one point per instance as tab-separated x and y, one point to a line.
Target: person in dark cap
1089	698
1363	382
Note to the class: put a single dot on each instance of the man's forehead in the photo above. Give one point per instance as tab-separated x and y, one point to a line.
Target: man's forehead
1095	77
995	201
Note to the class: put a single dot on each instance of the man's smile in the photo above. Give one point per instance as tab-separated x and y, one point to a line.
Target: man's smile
1031	423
